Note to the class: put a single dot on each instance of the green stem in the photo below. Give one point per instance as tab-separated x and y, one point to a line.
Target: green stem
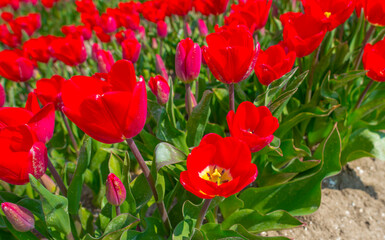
361	99
231	96
203	212
117	209
366	39
57	178
150	181
70	133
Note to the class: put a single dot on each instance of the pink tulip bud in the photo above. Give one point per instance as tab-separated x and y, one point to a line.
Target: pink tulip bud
203	31
115	190
109	24
160	67
161	27
160	88
95	50
189	33
2	95
105	61
188	60
21	218
131	50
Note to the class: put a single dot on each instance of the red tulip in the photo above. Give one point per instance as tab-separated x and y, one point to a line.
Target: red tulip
210	7
9	39
203	31
14	66
302	33
374	11
48	90
21	218
374	61
109	111
115	190
30	24
188	60
105	61
218	167
154	11
131	49
7	16
180	7
330	12
251	13
48	3
70	50
123	35
161	27
40	121
22	154
273	64
77	31
253	125
108	23
230	54
160	88
39	49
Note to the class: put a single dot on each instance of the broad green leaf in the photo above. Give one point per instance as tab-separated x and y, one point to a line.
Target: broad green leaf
166	154
183	230
126	182
115	165
302	195
76	186
120	224
364	143
256	222
55	208
230	205
141	190
197	121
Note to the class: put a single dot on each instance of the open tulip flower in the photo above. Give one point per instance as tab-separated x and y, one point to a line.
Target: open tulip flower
230	53
331	12
40	121
273	63
48	90
70	50
374	11
302	33
21	154
253	125
218	167
210	7
374	61
109	111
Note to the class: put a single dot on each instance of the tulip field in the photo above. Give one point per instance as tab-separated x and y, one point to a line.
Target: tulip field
182	119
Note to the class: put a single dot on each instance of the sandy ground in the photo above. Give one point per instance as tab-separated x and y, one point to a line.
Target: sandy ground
353	206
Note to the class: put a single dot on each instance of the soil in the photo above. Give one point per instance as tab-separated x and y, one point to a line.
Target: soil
353	206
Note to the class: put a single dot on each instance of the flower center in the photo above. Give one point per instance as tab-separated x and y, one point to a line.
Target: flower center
216	174
327	14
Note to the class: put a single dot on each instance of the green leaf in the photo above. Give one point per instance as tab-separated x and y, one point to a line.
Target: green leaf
230	205
256	222
160	185
141	190
115	165
302	195
199	118
121	223
76	186
55	208
167	154
183	230
364	143
167	132
154	231
126	182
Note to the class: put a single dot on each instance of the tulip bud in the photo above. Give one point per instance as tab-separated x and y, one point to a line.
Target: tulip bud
161	27
21	218
188	60
160	67
203	31
95	50
115	191
131	50
188	28
109	24
2	95
105	61
160	88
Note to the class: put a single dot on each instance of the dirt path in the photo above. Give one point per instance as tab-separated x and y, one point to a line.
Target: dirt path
353	206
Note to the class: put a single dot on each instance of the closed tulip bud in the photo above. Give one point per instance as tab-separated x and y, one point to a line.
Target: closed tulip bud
2	95
188	60
161	28
21	218
131	50
160	88
160	67
105	61
109	24
115	191
203	31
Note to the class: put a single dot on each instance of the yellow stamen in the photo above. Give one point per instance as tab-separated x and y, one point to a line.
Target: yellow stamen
216	174
328	14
